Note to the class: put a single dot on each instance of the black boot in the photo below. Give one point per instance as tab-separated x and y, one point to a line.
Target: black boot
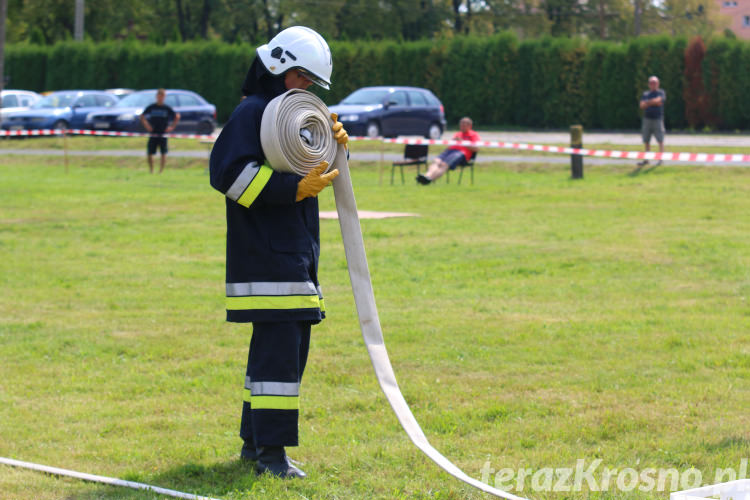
248	451
273	459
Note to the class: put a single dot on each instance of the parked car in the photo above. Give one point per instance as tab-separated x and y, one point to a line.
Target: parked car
392	111
196	115
17	100
60	110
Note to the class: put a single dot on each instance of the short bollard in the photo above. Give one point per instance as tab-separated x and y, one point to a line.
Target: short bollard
576	161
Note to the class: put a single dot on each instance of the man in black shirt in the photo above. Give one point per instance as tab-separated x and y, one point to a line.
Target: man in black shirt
155	119
652	104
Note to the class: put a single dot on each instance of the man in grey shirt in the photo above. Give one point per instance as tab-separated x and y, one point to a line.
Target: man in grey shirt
652	104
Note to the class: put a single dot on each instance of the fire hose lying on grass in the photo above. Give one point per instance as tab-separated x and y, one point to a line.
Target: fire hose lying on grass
295	134
296	137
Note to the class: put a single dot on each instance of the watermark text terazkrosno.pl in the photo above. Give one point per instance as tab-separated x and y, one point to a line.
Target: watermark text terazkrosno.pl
593	476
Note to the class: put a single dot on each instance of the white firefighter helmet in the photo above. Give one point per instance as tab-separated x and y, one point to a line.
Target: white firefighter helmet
298	47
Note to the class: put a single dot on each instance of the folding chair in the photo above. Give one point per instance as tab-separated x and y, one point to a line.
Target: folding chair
469	163
414	154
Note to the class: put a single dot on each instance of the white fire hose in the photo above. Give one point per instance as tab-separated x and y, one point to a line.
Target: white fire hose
283	137
100	479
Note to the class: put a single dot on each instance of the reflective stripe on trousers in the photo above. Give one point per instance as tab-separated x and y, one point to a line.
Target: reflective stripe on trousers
274	295
272	395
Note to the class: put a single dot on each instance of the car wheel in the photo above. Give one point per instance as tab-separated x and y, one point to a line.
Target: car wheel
434	132
205	128
373	129
60	125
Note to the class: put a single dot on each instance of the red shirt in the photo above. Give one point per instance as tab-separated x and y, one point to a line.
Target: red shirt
468	136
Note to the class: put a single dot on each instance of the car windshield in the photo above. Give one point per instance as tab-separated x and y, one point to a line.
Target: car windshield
366	96
55	101
137	100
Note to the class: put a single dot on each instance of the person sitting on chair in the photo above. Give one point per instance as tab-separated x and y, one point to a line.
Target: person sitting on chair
454	155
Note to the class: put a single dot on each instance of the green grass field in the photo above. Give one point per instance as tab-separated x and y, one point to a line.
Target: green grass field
532	321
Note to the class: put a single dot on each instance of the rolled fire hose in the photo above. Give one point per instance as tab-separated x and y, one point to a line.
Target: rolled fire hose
296	136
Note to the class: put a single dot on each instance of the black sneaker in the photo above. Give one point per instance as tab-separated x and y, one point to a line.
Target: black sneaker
423	179
273	460
643	163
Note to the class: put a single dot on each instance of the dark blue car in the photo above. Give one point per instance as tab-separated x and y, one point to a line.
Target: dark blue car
392	111
196	115
60	110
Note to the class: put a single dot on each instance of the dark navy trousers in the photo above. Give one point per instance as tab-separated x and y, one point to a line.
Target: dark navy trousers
275	364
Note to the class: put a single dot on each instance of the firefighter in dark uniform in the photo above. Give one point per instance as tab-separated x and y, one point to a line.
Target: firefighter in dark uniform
273	245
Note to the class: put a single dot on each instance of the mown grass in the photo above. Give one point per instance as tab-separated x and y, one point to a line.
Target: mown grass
531	320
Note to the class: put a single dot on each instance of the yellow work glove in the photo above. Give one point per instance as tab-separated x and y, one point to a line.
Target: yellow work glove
314	182
339	133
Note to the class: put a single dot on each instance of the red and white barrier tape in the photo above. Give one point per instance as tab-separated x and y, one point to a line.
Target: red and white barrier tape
602	153
364	138
75	131
138	134
16	133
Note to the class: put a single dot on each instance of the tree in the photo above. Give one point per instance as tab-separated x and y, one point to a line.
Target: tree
237	21
606	19
565	16
256	21
44	21
417	19
697	111
693	17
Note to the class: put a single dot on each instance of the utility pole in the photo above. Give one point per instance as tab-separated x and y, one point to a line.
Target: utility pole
78	33
576	161
3	17
638	10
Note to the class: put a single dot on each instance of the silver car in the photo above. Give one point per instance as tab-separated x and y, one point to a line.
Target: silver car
17	100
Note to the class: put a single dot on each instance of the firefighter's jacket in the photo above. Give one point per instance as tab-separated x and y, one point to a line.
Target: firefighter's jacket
273	242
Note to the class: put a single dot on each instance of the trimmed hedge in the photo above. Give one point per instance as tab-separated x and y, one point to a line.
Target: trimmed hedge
726	79
27	66
497	80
